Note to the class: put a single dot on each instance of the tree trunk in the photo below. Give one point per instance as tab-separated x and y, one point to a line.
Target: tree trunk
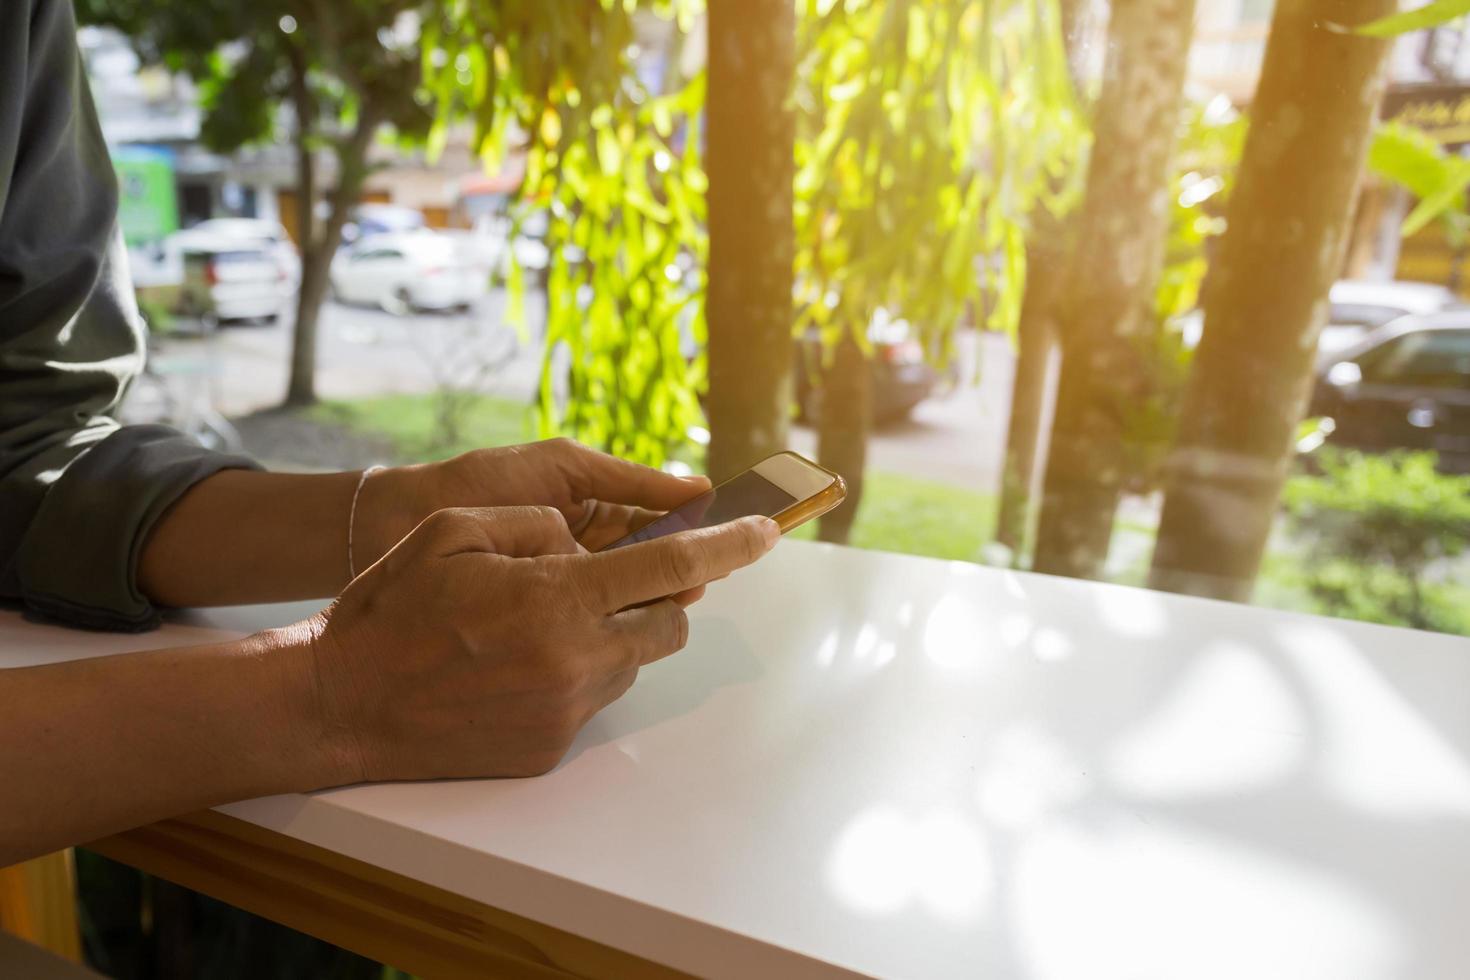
1046	276
751	168
1107	324
1283	246
316	259
301	386
1047	254
842	432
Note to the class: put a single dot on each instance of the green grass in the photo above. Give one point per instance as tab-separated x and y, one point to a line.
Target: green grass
920	517
898	513
409	422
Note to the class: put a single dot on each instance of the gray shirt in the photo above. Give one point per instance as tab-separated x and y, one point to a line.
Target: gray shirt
78	491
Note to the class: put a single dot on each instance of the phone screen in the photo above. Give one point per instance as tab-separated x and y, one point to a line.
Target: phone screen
744	496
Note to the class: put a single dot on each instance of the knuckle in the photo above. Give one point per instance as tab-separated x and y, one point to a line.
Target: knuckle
681	560
548	517
752	542
579	587
567	676
622	684
564	725
440	523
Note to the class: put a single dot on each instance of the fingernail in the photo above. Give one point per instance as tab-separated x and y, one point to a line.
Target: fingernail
696	479
771	530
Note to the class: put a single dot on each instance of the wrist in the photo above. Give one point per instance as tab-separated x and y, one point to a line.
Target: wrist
316	748
390	504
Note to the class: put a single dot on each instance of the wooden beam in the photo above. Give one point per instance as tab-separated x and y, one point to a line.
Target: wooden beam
38	903
419	928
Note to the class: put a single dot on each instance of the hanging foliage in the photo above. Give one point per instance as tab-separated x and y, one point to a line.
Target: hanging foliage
927	131
614	162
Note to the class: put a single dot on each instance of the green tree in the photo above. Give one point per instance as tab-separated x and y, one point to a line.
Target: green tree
927	130
1049	244
346	72
1265	303
1107	328
615	162
751	171
1417	162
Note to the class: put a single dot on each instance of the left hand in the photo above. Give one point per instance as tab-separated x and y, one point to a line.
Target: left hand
601	497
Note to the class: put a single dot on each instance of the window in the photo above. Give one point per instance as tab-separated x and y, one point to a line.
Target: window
1429	358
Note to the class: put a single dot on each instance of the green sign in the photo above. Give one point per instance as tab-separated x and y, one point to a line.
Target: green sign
148	206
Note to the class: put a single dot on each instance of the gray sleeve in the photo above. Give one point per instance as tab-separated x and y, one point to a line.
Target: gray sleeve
78	492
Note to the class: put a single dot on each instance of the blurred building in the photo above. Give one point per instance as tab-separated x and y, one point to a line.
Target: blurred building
1428	88
151	120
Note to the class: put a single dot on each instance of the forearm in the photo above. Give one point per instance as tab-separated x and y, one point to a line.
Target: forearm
96	746
243	537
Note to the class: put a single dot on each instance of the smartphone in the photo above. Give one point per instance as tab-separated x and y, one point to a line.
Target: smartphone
787	487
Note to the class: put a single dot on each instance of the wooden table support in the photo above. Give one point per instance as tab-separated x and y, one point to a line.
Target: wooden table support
424	930
38	904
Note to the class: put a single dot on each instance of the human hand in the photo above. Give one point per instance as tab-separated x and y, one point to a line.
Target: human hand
486	639
601	497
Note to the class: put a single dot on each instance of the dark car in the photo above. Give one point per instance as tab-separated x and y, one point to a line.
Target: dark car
1406	385
902	376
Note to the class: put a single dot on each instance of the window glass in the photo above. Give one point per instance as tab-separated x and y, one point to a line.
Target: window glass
1431	358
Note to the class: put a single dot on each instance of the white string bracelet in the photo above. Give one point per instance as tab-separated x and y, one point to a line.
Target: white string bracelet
352	518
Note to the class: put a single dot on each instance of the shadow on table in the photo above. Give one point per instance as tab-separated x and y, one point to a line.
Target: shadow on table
675	686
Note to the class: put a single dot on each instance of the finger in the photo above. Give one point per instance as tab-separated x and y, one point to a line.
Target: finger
589	511
617	685
669	565
653	632
689	597
590	474
517	532
612	522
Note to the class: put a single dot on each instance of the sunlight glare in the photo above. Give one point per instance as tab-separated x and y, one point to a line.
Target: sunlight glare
1030	775
1132	612
956	635
1381	755
1227	725
885	861
1129	900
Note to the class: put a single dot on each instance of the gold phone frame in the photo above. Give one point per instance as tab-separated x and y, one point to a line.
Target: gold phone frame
811	507
792	517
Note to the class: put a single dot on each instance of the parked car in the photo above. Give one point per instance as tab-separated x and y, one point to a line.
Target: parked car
1406	385
226	279
368	220
1360	306
1357	306
419	270
270	235
902	375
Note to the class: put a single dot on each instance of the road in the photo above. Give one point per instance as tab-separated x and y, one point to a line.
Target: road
957	438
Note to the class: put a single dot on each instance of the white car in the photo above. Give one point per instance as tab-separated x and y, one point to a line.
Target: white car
227	279
270	235
1360	306
419	270
1357	307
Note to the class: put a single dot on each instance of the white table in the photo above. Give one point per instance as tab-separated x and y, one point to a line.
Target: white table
902	767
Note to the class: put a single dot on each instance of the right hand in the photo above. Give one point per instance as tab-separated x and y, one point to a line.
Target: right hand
484	641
